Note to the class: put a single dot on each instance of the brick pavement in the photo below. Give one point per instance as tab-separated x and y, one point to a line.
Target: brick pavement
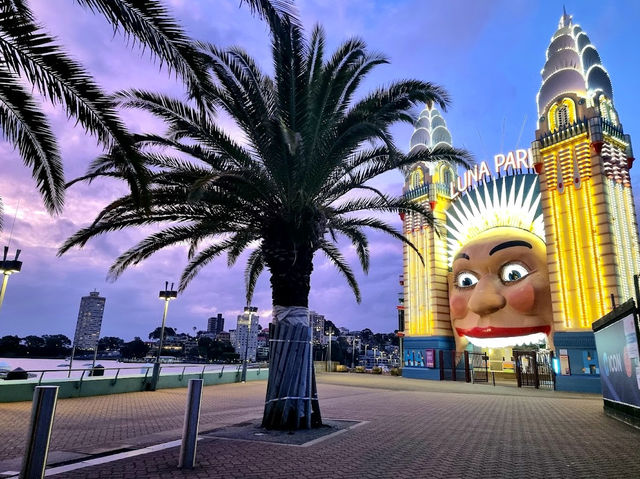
414	429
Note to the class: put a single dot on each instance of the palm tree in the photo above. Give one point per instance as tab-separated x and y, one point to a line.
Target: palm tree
28	52
284	191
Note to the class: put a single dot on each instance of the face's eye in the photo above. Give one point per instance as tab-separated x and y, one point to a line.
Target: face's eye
466	279
513	272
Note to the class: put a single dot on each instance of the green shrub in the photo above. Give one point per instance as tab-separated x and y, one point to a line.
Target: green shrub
341	368
359	369
376	370
396	371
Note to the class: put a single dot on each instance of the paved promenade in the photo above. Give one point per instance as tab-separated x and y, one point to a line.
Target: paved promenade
410	428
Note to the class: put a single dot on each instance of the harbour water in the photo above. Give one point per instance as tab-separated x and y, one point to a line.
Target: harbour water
59	368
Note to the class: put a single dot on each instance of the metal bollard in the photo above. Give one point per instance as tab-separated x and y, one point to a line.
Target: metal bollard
191	420
42	412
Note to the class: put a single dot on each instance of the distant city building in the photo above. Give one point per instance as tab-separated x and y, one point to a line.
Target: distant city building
263	338
89	321
262	353
223	336
245	336
317	327
215	324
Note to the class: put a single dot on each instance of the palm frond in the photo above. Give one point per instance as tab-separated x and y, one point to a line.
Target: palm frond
149	23
27	50
155	242
255	266
273	10
358	240
385	203
241	240
455	156
20	7
342	266
200	260
315	54
244	95
341	224
186	122
25	126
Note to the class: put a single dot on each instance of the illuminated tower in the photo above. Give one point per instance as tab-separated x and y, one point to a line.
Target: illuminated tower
583	158
426	302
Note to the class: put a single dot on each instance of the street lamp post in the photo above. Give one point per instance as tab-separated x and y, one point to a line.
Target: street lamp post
248	310
166	295
329	358
7	268
353	352
366	361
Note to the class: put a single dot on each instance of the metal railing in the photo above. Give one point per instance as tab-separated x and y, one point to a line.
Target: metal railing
114	372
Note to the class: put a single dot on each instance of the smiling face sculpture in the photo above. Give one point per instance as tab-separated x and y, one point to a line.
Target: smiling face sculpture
499	292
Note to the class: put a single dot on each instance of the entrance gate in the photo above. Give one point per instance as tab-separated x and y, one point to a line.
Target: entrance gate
534	369
479	367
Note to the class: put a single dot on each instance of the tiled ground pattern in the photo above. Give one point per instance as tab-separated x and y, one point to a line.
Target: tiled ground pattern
415	429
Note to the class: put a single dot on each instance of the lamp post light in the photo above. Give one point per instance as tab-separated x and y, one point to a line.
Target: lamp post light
167	294
7	268
249	310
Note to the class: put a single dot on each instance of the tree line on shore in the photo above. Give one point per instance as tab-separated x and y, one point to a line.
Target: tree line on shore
342	351
59	345
200	347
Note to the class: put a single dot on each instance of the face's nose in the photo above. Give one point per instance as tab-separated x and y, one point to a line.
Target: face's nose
486	297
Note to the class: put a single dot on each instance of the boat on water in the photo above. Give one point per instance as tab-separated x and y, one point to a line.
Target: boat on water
18	373
4	369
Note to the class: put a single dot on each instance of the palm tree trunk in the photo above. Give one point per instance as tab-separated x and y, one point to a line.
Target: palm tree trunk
292	400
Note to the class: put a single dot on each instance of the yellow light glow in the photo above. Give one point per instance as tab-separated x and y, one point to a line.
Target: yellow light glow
417	178
575	247
424	283
571	108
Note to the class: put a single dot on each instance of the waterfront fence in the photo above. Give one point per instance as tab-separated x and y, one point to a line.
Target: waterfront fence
85	382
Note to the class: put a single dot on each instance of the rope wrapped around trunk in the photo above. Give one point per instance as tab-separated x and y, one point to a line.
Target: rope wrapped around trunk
292	397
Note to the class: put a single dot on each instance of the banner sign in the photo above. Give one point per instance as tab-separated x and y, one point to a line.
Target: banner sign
430	355
617	346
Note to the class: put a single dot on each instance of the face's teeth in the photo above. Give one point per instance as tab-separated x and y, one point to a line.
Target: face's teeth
534	338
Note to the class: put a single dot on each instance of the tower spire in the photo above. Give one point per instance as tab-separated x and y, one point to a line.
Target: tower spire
566	19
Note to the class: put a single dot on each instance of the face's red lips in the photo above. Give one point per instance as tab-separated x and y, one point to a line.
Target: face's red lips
493	332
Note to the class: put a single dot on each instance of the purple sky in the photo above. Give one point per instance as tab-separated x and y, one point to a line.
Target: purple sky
487	54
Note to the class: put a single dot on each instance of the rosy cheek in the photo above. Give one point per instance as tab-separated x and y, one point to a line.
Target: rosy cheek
458	305
521	297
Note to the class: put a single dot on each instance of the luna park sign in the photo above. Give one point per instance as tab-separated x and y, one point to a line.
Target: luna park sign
502	163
